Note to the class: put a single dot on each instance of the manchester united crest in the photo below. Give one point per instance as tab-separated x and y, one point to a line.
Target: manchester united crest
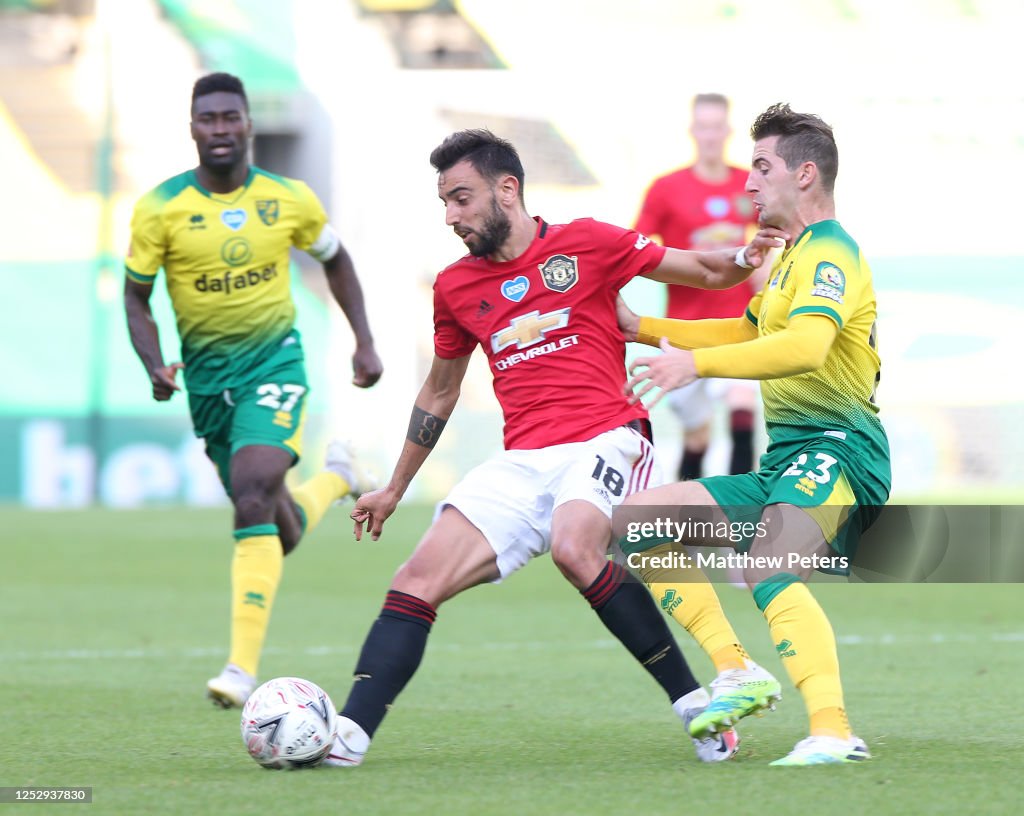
559	273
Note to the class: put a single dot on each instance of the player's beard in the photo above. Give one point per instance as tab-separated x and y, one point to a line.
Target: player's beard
224	165
492	234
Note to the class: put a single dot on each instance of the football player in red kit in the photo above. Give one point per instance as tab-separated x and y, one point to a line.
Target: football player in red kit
540	300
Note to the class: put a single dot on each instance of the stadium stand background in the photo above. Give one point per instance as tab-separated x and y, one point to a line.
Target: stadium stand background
352	95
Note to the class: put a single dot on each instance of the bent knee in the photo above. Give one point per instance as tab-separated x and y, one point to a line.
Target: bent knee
580	561
753	576
435	573
414	578
253	508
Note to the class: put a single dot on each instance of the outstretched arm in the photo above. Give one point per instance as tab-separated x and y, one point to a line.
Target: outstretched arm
344	285
430	413
686	334
801	347
718	269
146	340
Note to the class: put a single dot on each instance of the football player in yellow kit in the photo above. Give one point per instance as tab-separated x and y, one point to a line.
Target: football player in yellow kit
222	234
810	337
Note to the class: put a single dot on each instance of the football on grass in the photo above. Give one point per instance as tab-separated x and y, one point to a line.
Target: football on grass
288	723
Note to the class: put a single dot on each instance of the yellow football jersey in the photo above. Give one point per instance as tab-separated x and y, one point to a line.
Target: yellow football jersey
227	266
823	273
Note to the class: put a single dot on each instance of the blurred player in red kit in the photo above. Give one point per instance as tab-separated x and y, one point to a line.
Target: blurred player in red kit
704	206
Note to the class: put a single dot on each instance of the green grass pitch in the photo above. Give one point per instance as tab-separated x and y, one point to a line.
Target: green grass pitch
110	624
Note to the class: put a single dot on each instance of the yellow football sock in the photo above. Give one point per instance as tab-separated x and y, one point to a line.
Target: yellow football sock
315	495
807	646
830	722
255	575
688	596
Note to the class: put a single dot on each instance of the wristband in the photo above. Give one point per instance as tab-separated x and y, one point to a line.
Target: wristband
741	258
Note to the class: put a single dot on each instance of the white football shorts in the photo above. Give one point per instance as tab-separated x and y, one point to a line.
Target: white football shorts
510	498
694	404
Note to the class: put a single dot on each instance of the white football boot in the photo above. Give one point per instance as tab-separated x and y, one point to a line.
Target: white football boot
712	747
350	745
231	688
341	459
825	751
737	693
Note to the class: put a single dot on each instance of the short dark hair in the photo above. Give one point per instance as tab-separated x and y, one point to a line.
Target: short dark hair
802	137
490	155
212	83
711	99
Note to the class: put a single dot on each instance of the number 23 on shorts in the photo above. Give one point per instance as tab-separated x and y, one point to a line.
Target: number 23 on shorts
813	478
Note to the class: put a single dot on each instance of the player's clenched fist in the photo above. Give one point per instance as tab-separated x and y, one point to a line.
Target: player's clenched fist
164	381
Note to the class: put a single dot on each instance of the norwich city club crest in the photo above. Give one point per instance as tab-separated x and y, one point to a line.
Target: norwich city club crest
559	273
267	211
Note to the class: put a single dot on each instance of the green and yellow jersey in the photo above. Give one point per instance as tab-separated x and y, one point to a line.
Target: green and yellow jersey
227	267
823	273
819	405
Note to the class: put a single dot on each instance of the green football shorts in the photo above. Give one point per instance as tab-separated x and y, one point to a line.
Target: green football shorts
824	475
269	411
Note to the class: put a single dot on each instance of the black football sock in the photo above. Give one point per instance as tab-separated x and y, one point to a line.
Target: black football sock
627	609
691	465
391	654
741	426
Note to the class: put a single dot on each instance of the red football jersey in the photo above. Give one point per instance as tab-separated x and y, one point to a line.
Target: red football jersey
687	213
546	322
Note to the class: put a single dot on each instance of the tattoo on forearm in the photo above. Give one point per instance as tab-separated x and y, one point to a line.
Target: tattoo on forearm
424	428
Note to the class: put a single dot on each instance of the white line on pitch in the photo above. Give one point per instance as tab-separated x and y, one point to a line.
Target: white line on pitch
936	638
